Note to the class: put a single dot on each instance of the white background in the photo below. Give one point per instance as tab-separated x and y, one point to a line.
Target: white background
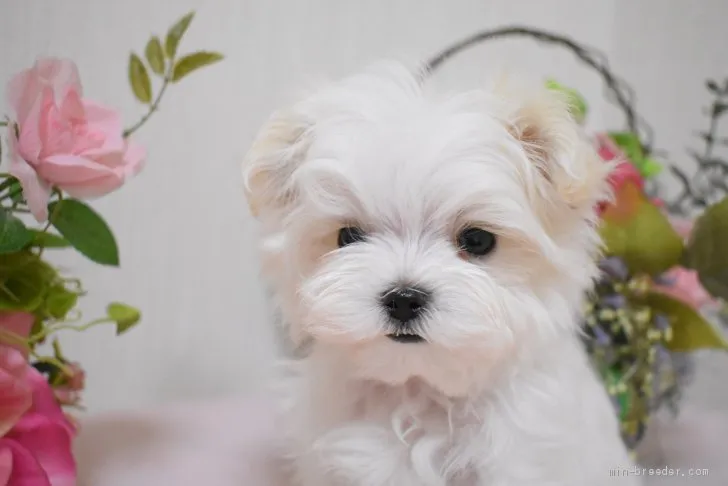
188	245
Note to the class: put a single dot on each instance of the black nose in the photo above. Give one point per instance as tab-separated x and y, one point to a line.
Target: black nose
405	304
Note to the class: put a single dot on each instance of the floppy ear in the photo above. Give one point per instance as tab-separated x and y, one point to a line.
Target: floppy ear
277	151
554	143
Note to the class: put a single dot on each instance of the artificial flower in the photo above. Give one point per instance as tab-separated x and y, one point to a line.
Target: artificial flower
59	139
37	450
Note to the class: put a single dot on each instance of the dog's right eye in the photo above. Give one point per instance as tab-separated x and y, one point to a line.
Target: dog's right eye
349	235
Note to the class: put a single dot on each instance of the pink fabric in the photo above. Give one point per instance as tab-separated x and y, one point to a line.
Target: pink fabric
63	140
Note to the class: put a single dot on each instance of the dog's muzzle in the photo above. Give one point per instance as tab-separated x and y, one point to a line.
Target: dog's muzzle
404	306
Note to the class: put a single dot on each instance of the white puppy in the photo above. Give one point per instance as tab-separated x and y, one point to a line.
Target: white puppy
433	252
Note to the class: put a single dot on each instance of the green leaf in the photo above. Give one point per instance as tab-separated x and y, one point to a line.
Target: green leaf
707	249
637	231
193	62
14	236
630	144
124	315
613	378
23	282
155	55
690	330
16	192
7	182
649	167
175	35
60	301
45	239
141	85
85	230
576	101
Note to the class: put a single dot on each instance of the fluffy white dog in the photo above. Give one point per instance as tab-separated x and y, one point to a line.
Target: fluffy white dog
433	252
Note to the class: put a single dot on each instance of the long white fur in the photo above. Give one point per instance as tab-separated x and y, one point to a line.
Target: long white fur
502	393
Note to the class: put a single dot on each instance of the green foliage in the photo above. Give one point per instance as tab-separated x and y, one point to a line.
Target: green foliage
29	284
44	239
124	316
14	236
155	56
631	145
85	230
24	281
707	250
690	330
193	62
576	101
175	34
141	85
637	231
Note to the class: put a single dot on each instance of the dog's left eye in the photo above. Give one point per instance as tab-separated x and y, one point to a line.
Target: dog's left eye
476	241
349	235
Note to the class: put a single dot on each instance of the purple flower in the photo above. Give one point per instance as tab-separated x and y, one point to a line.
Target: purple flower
614	267
661	322
615	301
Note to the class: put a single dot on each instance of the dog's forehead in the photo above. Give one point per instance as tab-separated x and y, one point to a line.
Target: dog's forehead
421	165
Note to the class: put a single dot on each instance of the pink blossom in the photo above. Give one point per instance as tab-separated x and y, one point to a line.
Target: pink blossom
37	450
625	170
63	140
684	285
15	389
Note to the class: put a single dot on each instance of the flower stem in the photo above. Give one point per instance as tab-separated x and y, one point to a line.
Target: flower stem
9	337
55	362
3	123
50	330
153	107
50	220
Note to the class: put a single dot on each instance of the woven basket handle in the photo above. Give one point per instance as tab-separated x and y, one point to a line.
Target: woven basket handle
619	92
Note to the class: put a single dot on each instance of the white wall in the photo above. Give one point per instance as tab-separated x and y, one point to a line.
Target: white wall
187	241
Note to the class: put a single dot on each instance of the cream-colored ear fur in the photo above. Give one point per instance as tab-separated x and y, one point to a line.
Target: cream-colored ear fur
541	121
278	149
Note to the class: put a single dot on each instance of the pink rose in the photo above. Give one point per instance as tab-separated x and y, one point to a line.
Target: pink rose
15	388
37	450
63	140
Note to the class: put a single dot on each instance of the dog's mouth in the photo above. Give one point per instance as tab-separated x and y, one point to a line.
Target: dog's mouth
406	338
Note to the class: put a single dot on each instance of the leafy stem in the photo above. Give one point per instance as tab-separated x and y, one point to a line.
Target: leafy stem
715	111
39	337
3	123
154	106
57	363
50	219
9	337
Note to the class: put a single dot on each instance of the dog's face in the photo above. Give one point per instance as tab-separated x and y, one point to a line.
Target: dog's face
427	237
